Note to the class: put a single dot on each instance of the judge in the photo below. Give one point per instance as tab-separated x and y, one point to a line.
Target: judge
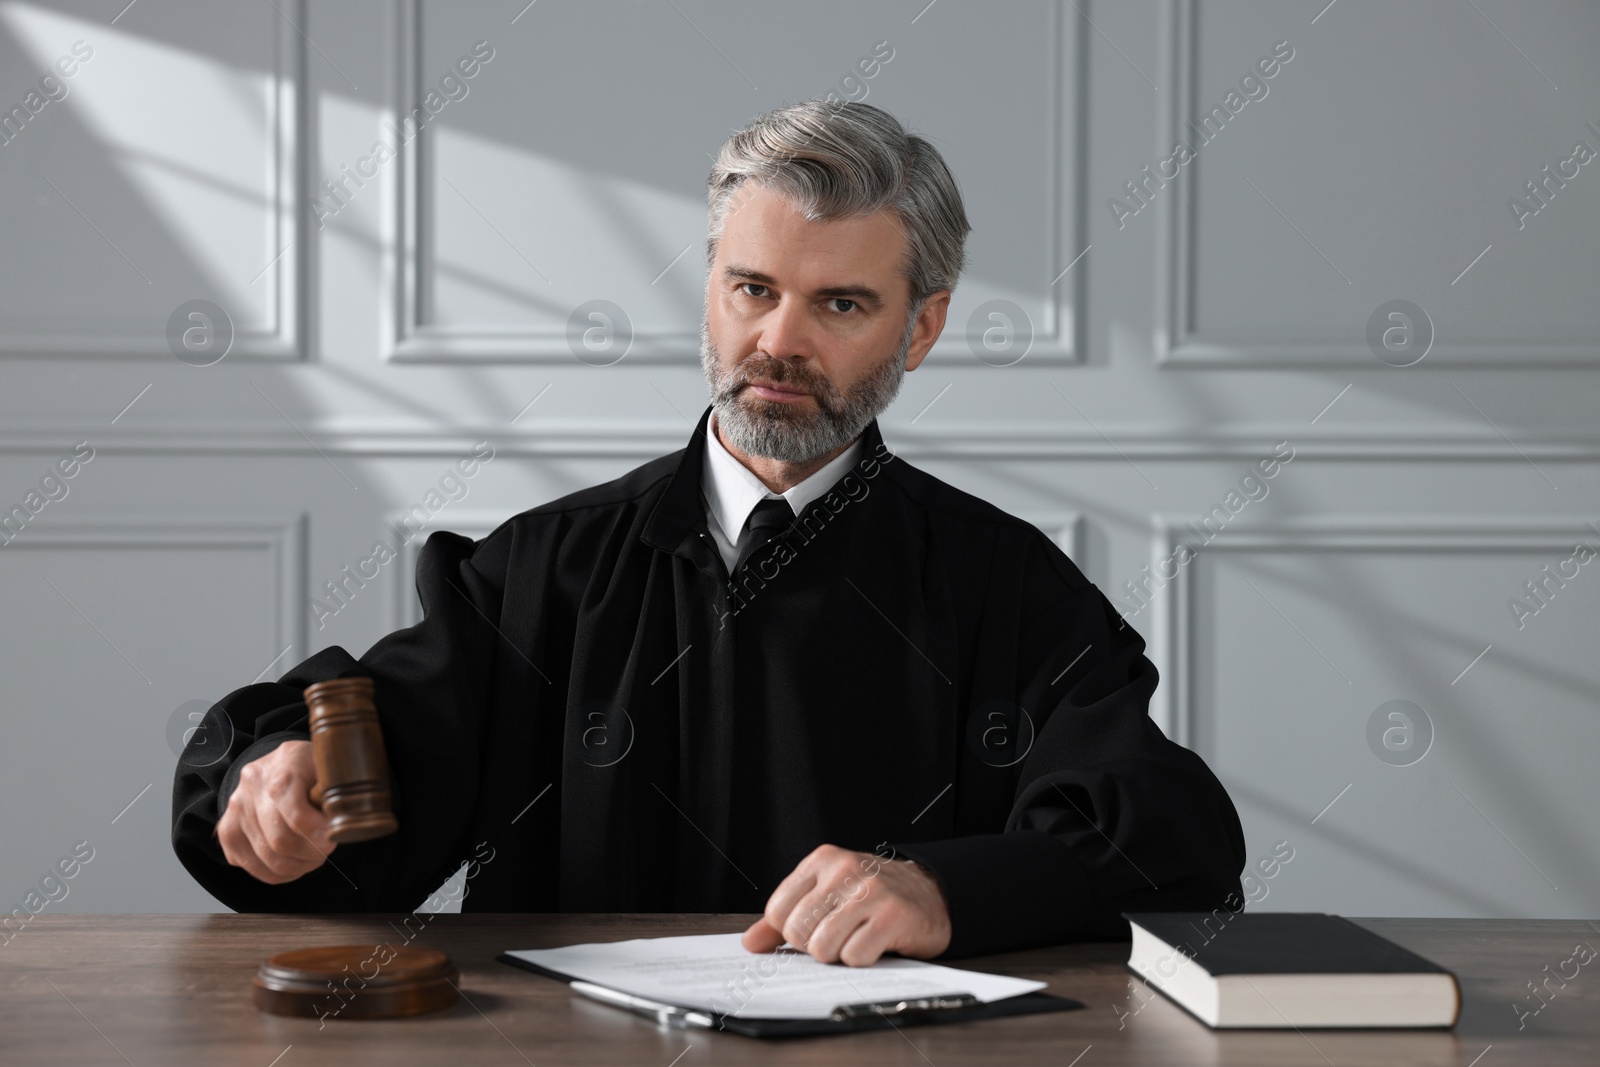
780	670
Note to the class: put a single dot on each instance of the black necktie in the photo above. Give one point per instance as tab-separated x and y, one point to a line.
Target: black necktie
767	520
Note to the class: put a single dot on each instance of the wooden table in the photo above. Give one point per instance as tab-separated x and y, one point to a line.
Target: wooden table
158	990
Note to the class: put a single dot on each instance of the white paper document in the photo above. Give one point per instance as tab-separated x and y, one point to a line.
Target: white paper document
713	972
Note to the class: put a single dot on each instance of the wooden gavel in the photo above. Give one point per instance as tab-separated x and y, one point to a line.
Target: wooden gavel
352	786
352	789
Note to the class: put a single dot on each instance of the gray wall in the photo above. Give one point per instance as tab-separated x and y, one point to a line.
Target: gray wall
1175	342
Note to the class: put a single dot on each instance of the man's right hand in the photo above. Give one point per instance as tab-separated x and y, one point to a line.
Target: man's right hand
271	828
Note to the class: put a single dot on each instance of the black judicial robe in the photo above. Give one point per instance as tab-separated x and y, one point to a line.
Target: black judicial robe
595	717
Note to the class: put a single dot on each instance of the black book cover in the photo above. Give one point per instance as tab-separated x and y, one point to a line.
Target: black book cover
1226	942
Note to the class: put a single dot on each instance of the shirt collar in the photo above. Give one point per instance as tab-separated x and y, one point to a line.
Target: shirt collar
679	518
732	491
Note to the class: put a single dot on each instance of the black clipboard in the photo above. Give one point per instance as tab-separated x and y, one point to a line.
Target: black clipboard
1024	1004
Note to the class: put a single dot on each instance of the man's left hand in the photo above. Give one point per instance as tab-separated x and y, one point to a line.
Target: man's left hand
852	907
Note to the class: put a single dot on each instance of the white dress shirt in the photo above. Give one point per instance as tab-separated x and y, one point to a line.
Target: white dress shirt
732	492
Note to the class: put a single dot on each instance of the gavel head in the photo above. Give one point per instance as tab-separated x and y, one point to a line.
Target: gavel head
352	767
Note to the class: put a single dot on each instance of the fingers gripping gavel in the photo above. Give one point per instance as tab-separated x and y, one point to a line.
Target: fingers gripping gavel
297	803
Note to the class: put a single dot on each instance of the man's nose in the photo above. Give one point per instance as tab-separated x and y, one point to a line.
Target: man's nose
786	331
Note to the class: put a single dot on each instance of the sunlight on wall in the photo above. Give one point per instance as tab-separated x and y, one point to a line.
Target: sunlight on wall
200	177
574	246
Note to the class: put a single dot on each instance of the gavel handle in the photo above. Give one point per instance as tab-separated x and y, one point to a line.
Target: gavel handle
316	795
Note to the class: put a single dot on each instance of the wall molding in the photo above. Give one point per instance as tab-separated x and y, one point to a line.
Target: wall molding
1068	529
646	439
1174	628
287	281
406	338
1178	345
283	539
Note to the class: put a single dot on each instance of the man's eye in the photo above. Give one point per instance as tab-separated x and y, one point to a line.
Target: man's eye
747	286
842	300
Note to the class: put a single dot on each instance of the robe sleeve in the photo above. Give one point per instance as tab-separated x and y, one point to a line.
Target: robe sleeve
1109	815
431	689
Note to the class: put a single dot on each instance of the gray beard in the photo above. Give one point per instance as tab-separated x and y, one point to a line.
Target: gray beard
781	431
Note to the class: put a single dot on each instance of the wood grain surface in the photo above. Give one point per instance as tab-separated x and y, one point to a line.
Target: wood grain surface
151	990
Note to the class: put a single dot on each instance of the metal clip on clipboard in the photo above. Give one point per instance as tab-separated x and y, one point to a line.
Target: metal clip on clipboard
900	1008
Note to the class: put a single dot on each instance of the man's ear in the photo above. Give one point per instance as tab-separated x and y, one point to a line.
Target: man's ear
930	324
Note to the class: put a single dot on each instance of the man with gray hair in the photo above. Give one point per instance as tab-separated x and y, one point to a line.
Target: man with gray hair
780	670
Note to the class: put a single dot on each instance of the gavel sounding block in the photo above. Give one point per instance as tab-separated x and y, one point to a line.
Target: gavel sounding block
355	982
